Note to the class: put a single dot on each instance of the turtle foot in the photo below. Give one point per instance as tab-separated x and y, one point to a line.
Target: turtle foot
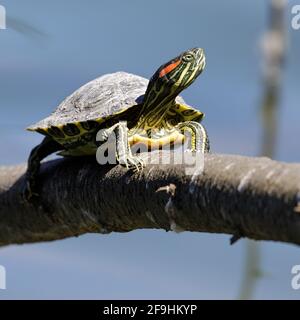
132	162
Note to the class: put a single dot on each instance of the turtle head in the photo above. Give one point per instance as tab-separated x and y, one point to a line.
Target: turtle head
181	71
176	75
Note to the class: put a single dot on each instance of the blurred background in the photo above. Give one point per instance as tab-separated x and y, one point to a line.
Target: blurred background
50	48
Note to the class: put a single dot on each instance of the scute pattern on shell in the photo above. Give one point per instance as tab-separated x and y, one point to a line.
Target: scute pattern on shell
99	98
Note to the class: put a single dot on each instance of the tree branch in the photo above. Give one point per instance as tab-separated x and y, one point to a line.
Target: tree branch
246	197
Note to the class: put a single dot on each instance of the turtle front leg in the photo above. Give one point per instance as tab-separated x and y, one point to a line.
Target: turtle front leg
199	140
123	151
45	148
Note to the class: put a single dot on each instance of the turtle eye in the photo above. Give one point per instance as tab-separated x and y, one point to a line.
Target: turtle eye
187	57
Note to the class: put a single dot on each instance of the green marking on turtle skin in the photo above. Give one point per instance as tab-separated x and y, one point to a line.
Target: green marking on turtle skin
113	98
162	91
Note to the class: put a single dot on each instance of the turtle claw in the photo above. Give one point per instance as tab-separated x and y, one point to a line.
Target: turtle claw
134	163
103	135
190	150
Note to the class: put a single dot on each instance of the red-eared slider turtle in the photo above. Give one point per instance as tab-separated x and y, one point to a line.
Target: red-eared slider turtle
124	104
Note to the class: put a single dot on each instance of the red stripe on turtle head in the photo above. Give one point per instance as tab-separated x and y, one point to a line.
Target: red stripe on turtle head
169	68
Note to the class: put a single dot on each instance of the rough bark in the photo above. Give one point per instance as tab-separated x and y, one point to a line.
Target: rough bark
246	197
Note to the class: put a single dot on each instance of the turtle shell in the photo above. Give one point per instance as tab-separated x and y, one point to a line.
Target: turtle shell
87	108
98	99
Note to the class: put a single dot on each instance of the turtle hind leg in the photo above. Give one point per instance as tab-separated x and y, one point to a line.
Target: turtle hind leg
198	139
45	148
